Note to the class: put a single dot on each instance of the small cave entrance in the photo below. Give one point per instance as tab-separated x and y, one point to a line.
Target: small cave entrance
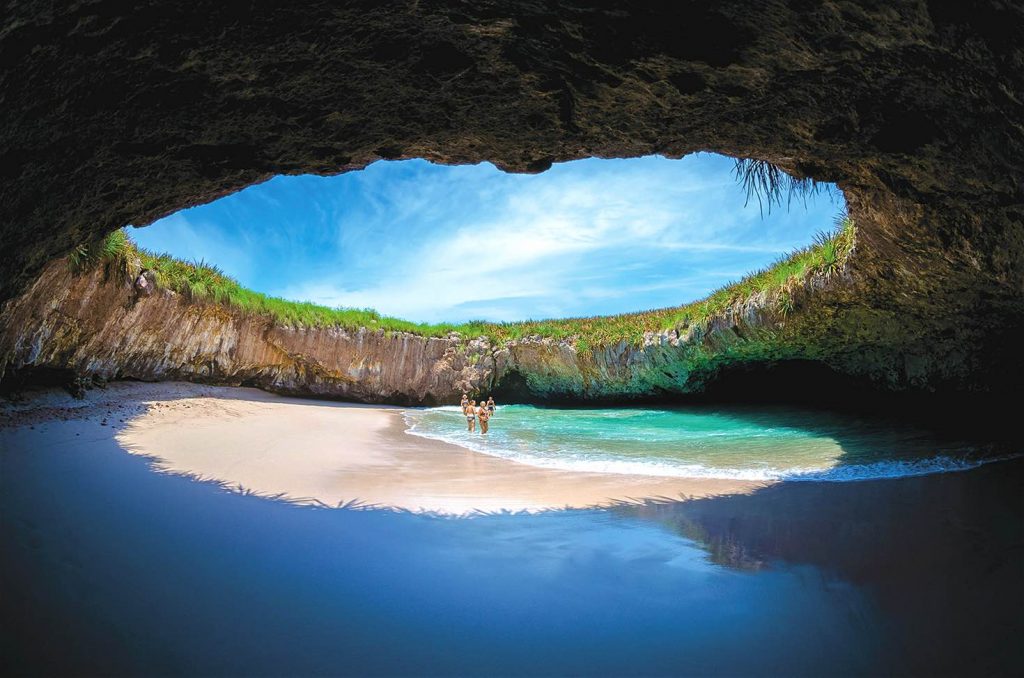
512	387
14	382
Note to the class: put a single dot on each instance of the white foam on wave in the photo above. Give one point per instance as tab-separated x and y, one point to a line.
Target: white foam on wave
897	468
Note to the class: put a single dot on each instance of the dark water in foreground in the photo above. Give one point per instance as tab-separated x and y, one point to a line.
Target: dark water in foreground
108	567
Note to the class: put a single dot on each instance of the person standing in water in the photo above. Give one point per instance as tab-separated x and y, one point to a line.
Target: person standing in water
490	406
470	411
485	416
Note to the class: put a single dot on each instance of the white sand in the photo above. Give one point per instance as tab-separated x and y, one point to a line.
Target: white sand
332	453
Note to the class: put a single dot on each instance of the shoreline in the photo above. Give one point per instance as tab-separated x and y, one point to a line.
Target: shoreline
328	453
99	548
343	454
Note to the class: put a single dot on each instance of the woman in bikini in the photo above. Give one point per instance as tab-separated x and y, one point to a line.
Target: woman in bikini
490	406
470	411
485	416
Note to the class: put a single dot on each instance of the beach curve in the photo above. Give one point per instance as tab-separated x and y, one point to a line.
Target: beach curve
332	453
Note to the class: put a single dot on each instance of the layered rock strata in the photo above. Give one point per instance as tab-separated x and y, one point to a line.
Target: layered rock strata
99	325
102	324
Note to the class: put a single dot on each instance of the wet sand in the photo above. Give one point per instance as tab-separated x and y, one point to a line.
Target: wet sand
335	453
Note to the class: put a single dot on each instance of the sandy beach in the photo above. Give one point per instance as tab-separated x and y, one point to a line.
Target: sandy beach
332	453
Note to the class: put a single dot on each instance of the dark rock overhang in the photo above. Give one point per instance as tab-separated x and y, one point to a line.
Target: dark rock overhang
118	113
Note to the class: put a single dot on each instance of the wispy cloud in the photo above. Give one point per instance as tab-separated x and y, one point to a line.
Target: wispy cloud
435	243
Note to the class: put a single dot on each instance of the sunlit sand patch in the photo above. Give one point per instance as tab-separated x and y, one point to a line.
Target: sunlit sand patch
333	454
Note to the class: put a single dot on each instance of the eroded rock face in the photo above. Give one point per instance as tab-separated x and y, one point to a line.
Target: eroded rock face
101	324
116	113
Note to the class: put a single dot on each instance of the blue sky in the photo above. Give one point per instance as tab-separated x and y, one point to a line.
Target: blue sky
430	243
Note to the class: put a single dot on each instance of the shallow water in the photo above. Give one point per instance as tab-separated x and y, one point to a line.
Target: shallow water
763	443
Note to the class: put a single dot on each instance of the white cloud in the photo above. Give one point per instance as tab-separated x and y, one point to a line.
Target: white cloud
428	243
532	245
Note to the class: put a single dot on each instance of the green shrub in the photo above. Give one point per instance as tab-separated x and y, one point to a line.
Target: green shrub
112	248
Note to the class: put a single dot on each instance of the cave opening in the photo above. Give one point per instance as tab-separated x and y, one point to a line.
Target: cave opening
458	246
596	280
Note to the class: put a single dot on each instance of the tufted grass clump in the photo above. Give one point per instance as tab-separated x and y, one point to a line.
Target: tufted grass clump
769	184
204	282
113	248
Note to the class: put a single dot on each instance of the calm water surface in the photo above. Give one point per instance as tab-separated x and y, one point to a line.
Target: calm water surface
109	567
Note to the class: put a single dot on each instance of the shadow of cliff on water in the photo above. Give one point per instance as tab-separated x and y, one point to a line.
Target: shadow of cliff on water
804	383
942	555
857	414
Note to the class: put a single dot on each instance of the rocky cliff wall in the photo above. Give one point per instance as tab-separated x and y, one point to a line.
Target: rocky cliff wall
97	324
101	324
121	112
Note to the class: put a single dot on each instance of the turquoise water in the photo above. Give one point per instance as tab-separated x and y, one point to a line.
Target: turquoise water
701	442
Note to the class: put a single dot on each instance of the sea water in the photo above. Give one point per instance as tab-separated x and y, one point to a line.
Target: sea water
108	567
743	443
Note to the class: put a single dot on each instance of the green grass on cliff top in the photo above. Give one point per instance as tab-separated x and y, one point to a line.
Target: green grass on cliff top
200	281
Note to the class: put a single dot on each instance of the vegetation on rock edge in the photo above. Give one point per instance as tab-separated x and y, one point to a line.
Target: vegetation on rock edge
201	281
